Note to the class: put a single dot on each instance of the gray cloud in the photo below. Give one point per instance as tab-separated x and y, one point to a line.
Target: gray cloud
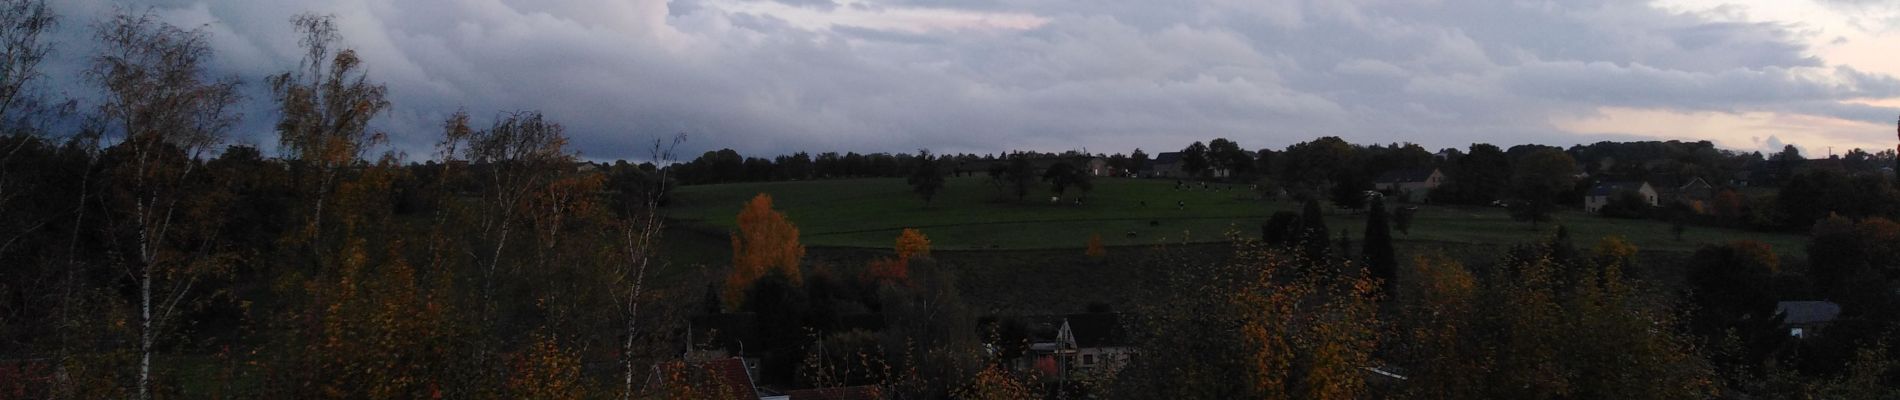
1106	75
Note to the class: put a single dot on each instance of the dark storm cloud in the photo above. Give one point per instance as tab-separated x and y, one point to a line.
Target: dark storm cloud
991	75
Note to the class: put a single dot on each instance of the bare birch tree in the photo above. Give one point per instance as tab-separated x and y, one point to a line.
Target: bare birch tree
167	113
640	233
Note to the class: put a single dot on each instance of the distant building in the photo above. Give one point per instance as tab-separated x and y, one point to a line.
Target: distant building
1696	194
1166	165
1413	185
1603	192
1806	318
1076	343
1098	166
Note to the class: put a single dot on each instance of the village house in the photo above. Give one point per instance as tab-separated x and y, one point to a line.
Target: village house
1098	166
1170	165
1062	345
1603	192
1166	165
1806	318
1696	195
1412	185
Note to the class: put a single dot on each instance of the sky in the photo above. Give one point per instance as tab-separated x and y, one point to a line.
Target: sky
771	77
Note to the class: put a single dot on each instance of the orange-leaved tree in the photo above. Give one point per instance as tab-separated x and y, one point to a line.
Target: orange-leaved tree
766	240
1096	251
912	243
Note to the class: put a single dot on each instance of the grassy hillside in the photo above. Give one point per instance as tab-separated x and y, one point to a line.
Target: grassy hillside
971	215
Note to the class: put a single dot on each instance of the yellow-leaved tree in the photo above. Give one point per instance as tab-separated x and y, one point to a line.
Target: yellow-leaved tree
766	240
912	243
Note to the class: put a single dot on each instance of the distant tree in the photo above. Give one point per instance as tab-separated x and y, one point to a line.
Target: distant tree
765	242
1729	206
926	177
1095	250
1013	175
1282	229
797	166
1402	219
1062	176
1479	177
1137	161
1227	155
1787	161
1312	165
1118	165
1345	243
1314	239
828	165
1268	188
911	243
1349	189
1263	164
1397	156
1381	260
1538	179
1194	159
1626	204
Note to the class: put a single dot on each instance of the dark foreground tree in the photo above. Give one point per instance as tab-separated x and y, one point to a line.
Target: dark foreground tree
1381	261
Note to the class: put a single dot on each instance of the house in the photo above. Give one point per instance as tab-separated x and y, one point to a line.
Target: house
1100	341
1166	165
1412	185
1804	318
1098	166
1696	194
1076	344
1603	192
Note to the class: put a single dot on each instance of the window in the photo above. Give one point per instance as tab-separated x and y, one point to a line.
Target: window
1797	332
1088	359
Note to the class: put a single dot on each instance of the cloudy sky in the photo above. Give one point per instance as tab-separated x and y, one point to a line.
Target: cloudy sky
775	76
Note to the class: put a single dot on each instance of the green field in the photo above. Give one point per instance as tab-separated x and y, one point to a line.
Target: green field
969	214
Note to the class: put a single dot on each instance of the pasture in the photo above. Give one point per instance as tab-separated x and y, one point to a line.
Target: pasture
970	214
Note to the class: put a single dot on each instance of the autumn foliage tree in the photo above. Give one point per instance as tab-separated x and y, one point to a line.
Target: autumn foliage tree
765	241
168	111
911	245
1095	250
326	105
